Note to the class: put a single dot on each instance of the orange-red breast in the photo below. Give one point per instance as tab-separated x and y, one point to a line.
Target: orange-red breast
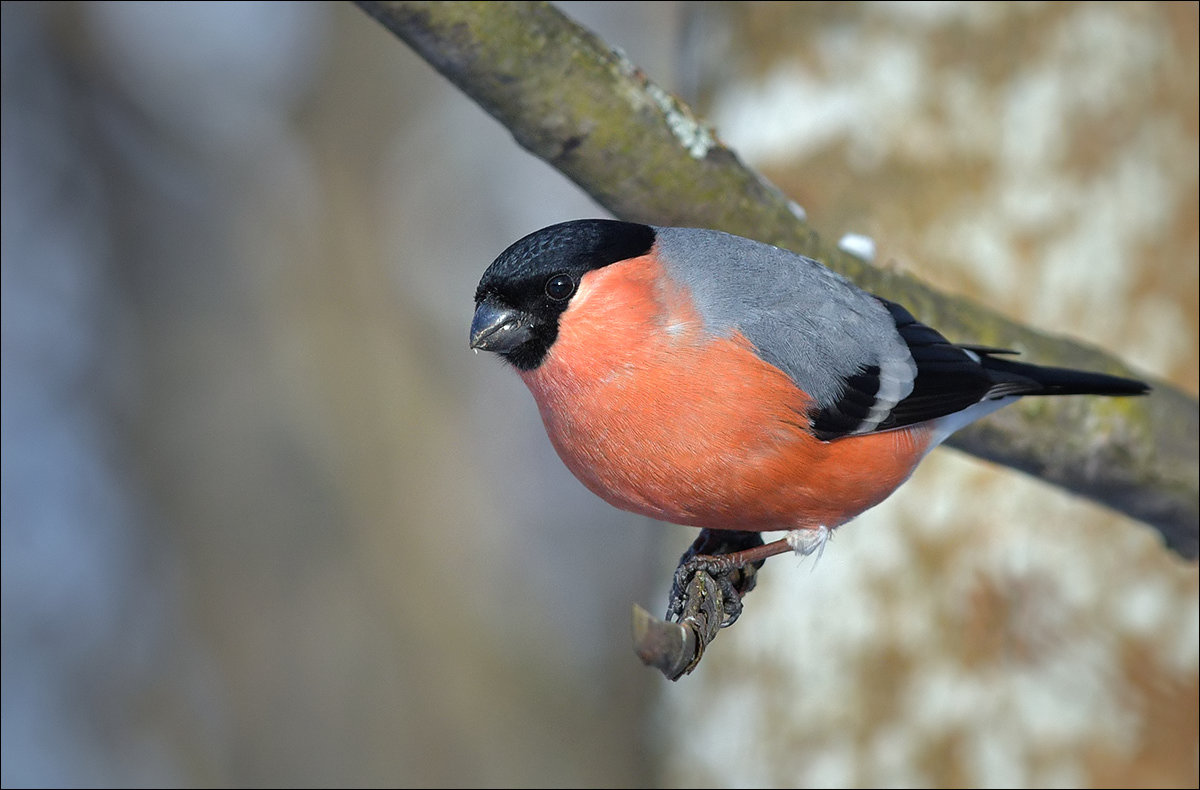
709	380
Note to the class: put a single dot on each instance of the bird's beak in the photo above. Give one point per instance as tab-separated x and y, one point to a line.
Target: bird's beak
499	329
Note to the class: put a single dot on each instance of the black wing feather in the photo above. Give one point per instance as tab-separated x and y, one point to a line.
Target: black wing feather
852	408
951	378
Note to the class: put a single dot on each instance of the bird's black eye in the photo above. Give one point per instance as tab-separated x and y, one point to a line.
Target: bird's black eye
560	287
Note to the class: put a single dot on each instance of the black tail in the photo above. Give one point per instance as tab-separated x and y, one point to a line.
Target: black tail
1020	378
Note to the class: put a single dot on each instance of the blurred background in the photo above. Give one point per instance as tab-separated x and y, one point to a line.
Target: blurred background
266	521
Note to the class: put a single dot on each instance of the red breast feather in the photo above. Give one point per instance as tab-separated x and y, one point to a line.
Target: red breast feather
657	416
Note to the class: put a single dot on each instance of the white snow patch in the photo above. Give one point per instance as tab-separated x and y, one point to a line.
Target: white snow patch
858	245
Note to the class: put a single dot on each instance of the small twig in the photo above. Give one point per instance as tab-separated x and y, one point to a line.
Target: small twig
676	648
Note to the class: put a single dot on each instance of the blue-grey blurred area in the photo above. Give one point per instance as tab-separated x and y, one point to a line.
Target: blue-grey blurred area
267	521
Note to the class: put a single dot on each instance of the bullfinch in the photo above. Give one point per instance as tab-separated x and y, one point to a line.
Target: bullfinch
709	380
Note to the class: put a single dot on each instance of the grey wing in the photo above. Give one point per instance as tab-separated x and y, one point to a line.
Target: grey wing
867	363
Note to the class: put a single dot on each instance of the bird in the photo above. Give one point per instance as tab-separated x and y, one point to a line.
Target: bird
714	381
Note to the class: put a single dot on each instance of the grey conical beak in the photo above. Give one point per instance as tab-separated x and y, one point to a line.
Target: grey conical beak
499	329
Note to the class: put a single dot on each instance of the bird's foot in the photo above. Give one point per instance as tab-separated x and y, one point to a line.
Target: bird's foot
730	559
706	595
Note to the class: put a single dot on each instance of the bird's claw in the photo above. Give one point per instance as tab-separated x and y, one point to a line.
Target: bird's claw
713	576
715	554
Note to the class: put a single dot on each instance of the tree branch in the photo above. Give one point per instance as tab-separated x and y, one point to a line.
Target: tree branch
571	100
